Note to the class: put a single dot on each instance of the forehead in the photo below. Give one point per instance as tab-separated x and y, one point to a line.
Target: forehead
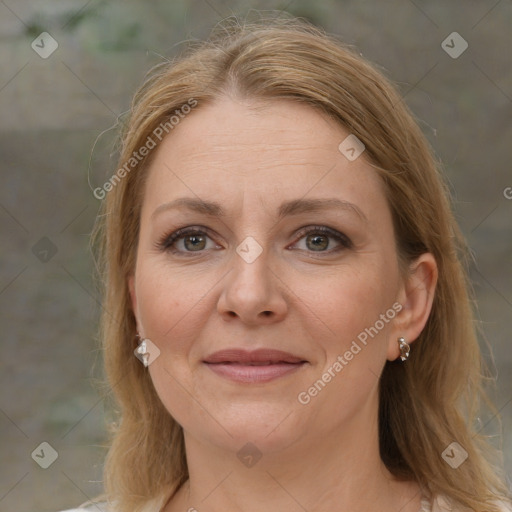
263	151
279	129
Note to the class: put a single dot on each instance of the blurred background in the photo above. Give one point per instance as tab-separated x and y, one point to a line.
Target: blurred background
60	90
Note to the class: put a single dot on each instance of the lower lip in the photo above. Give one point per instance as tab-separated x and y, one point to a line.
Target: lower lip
253	373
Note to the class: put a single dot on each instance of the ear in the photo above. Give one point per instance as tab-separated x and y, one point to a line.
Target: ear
416	297
133	299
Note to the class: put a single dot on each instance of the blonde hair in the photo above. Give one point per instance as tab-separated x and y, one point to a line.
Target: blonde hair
425	404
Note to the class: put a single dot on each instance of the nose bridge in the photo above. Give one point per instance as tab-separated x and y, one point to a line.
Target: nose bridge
251	274
251	290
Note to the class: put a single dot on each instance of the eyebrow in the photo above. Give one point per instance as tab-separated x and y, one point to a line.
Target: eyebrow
287	208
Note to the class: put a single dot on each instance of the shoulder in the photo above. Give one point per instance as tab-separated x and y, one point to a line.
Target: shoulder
443	504
504	507
104	506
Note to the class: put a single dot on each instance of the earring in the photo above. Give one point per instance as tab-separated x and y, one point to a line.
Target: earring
404	349
142	351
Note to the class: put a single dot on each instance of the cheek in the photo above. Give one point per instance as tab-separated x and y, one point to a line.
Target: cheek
169	304
346	303
172	311
356	313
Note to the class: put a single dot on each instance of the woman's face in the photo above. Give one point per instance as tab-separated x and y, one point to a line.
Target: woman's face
293	251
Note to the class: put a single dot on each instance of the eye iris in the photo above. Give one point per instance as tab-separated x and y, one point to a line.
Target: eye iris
318	241
197	241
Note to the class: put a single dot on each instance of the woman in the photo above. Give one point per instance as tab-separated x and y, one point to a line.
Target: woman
287	322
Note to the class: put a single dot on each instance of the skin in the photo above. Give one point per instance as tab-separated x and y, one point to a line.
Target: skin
250	157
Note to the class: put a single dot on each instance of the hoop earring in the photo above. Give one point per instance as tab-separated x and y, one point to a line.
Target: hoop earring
405	349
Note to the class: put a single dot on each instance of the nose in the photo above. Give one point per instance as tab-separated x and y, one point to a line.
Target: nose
252	293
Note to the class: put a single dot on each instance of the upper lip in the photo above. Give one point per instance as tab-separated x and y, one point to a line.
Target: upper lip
262	355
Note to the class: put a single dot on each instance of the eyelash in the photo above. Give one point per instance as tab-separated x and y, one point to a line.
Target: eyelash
167	241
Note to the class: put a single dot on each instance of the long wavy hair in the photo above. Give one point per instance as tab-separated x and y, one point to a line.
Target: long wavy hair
425	404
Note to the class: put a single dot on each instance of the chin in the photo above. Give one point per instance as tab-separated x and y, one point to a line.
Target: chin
269	427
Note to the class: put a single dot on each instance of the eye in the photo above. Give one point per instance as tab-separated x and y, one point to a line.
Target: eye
318	239
194	239
186	240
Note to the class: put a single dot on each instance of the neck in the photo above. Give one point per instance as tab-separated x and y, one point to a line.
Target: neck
342	468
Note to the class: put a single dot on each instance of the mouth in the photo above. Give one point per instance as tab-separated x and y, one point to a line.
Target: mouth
255	366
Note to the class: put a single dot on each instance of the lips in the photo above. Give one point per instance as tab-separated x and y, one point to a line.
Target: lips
260	365
260	356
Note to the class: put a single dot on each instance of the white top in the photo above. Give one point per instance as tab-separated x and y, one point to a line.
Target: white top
439	504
